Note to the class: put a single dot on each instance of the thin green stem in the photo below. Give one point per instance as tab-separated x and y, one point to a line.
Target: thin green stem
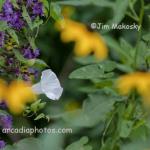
140	31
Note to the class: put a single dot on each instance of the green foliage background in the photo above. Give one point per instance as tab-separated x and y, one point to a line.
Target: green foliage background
105	120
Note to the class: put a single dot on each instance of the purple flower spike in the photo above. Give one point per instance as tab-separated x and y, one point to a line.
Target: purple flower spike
33	72
2	144
38	9
8	7
36	52
6	121
29	53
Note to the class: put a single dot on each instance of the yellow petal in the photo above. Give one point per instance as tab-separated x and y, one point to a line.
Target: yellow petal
19	94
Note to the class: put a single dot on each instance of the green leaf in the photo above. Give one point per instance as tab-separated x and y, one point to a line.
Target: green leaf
102	3
40	116
14	2
23	60
53	141
141	54
126	128
37	105
27	17
55	11
46	7
100	70
146	37
86	60
94	110
119	10
2	62
13	34
1	4
26	144
80	145
137	145
3	26
37	22
20	57
117	49
40	63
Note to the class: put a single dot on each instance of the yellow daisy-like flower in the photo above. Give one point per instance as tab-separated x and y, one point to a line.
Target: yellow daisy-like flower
67	11
86	42
139	81
16	95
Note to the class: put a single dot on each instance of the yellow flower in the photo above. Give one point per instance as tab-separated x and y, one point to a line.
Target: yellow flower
67	11
16	95
86	42
139	81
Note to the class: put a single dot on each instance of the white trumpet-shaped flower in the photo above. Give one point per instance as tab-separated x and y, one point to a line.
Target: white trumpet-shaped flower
49	85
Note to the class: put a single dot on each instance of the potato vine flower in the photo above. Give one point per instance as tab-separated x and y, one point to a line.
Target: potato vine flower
49	85
139	81
86	42
16	95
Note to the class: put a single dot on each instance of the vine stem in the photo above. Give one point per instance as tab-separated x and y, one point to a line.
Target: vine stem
106	128
140	31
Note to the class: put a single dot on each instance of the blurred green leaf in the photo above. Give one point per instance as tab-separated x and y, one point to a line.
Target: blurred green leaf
99	70
86	60
55	11
27	17
137	145
13	34
80	145
94	110
126	128
1	4
146	37
141	54
3	26
40	63
26	144
119	10
102	3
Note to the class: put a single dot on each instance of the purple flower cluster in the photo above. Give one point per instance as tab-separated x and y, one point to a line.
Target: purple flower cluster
29	73
37	8
11	16
2	144
34	7
2	38
6	121
29	53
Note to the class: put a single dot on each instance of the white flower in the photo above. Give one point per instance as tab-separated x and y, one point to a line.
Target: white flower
49	85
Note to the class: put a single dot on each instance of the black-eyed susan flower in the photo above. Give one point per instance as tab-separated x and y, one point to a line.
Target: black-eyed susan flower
139	81
86	42
68	11
16	95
